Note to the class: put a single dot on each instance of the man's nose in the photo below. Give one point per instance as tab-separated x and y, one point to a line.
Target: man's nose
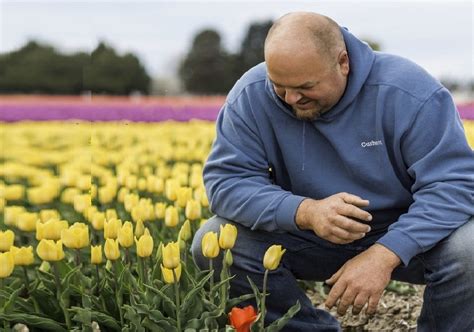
292	96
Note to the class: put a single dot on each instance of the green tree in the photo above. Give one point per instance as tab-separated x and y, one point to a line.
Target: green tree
206	68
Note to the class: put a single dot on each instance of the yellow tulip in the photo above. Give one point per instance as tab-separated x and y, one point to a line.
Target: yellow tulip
82	202
144	244
111	228
210	245
68	195
38	196
50	230
193	209
131	182
185	231
89	212
27	221
76	236
142	184
6	240
111	249
121	194
98	220
111	214
106	194
47	214
130	201
49	250
14	192
22	255
272	257
139	228
183	195
93	191
7	263
171	216
96	254
171	256
125	235
11	214
168	276
227	236
160	209
171	188
204	200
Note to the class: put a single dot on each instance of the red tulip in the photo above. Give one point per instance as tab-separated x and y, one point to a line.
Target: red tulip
242	318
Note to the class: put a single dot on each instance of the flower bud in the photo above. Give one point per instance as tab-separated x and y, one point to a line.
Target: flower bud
193	209
185	231
125	235
160	209
50	230
48	214
49	250
23	256
96	254
228	259
168	276
111	228
183	195
171	255
7	263
144	244
111	249
171	216
272	257
6	240
27	221
227	236
98	221
210	245
14	192
76	236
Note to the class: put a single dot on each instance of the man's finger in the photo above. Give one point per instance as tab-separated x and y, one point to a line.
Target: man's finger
355	200
359	303
372	306
350	225
336	291
353	211
334	277
346	300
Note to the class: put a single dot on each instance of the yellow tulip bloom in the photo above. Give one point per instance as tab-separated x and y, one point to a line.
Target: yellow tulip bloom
27	221
160	209
171	188
96	254
227	236
6	240
125	235
49	250
111	228
185	231
183	195
14	192
7	263
111	249
171	216
193	209
168	276
82	202
210	245
22	255
111	214
11	214
50	230
272	257
144	244
76	236
139	228
47	214
98	220
171	256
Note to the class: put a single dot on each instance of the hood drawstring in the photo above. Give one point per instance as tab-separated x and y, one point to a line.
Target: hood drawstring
304	132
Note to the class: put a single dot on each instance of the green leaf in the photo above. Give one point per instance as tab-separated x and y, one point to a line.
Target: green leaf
105	320
147	323
281	322
135	319
194	292
163	296
83	316
256	292
41	323
11	301
236	300
157	317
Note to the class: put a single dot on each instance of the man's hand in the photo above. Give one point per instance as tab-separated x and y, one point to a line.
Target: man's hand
362	280
332	218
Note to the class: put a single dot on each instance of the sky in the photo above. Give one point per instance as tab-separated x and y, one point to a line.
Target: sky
438	35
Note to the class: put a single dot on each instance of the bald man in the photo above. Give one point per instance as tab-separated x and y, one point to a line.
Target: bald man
356	162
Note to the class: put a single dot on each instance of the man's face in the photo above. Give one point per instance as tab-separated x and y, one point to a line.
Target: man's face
309	83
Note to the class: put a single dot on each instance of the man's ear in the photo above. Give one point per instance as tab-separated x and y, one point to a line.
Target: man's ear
344	62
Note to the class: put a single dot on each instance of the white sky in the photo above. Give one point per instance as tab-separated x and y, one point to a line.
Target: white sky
438	35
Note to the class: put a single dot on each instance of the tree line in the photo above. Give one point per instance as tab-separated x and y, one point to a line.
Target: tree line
206	69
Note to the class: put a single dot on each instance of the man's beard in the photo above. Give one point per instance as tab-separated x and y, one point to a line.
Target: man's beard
308	115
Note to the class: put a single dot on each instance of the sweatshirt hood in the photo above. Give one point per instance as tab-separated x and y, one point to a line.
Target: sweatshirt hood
361	59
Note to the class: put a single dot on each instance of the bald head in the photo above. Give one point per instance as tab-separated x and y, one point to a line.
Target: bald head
304	31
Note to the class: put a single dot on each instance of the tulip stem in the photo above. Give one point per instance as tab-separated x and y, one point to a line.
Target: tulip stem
117	295
178	305
6	325
145	278
127	257
211	282
27	287
78	257
97	289
58	294
262	301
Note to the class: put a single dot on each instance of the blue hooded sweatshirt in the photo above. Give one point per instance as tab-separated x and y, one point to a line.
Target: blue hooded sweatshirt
394	138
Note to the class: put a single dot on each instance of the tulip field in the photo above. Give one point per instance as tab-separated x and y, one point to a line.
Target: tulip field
99	208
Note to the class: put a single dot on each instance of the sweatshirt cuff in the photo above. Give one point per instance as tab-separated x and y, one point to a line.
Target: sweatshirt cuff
401	244
286	213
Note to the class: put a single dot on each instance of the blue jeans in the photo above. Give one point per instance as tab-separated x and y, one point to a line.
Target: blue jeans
447	270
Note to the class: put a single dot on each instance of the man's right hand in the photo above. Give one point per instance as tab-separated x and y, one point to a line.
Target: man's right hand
333	218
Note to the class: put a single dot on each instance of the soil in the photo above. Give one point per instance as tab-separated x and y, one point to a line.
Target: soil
398	309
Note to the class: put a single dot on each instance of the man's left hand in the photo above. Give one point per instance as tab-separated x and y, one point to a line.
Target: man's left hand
362	280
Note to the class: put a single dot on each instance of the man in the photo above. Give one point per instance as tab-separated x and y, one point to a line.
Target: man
356	162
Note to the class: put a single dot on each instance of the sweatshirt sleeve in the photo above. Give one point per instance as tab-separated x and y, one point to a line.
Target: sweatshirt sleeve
441	164
237	179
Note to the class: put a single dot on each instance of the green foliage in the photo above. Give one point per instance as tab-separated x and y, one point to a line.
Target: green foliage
37	68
